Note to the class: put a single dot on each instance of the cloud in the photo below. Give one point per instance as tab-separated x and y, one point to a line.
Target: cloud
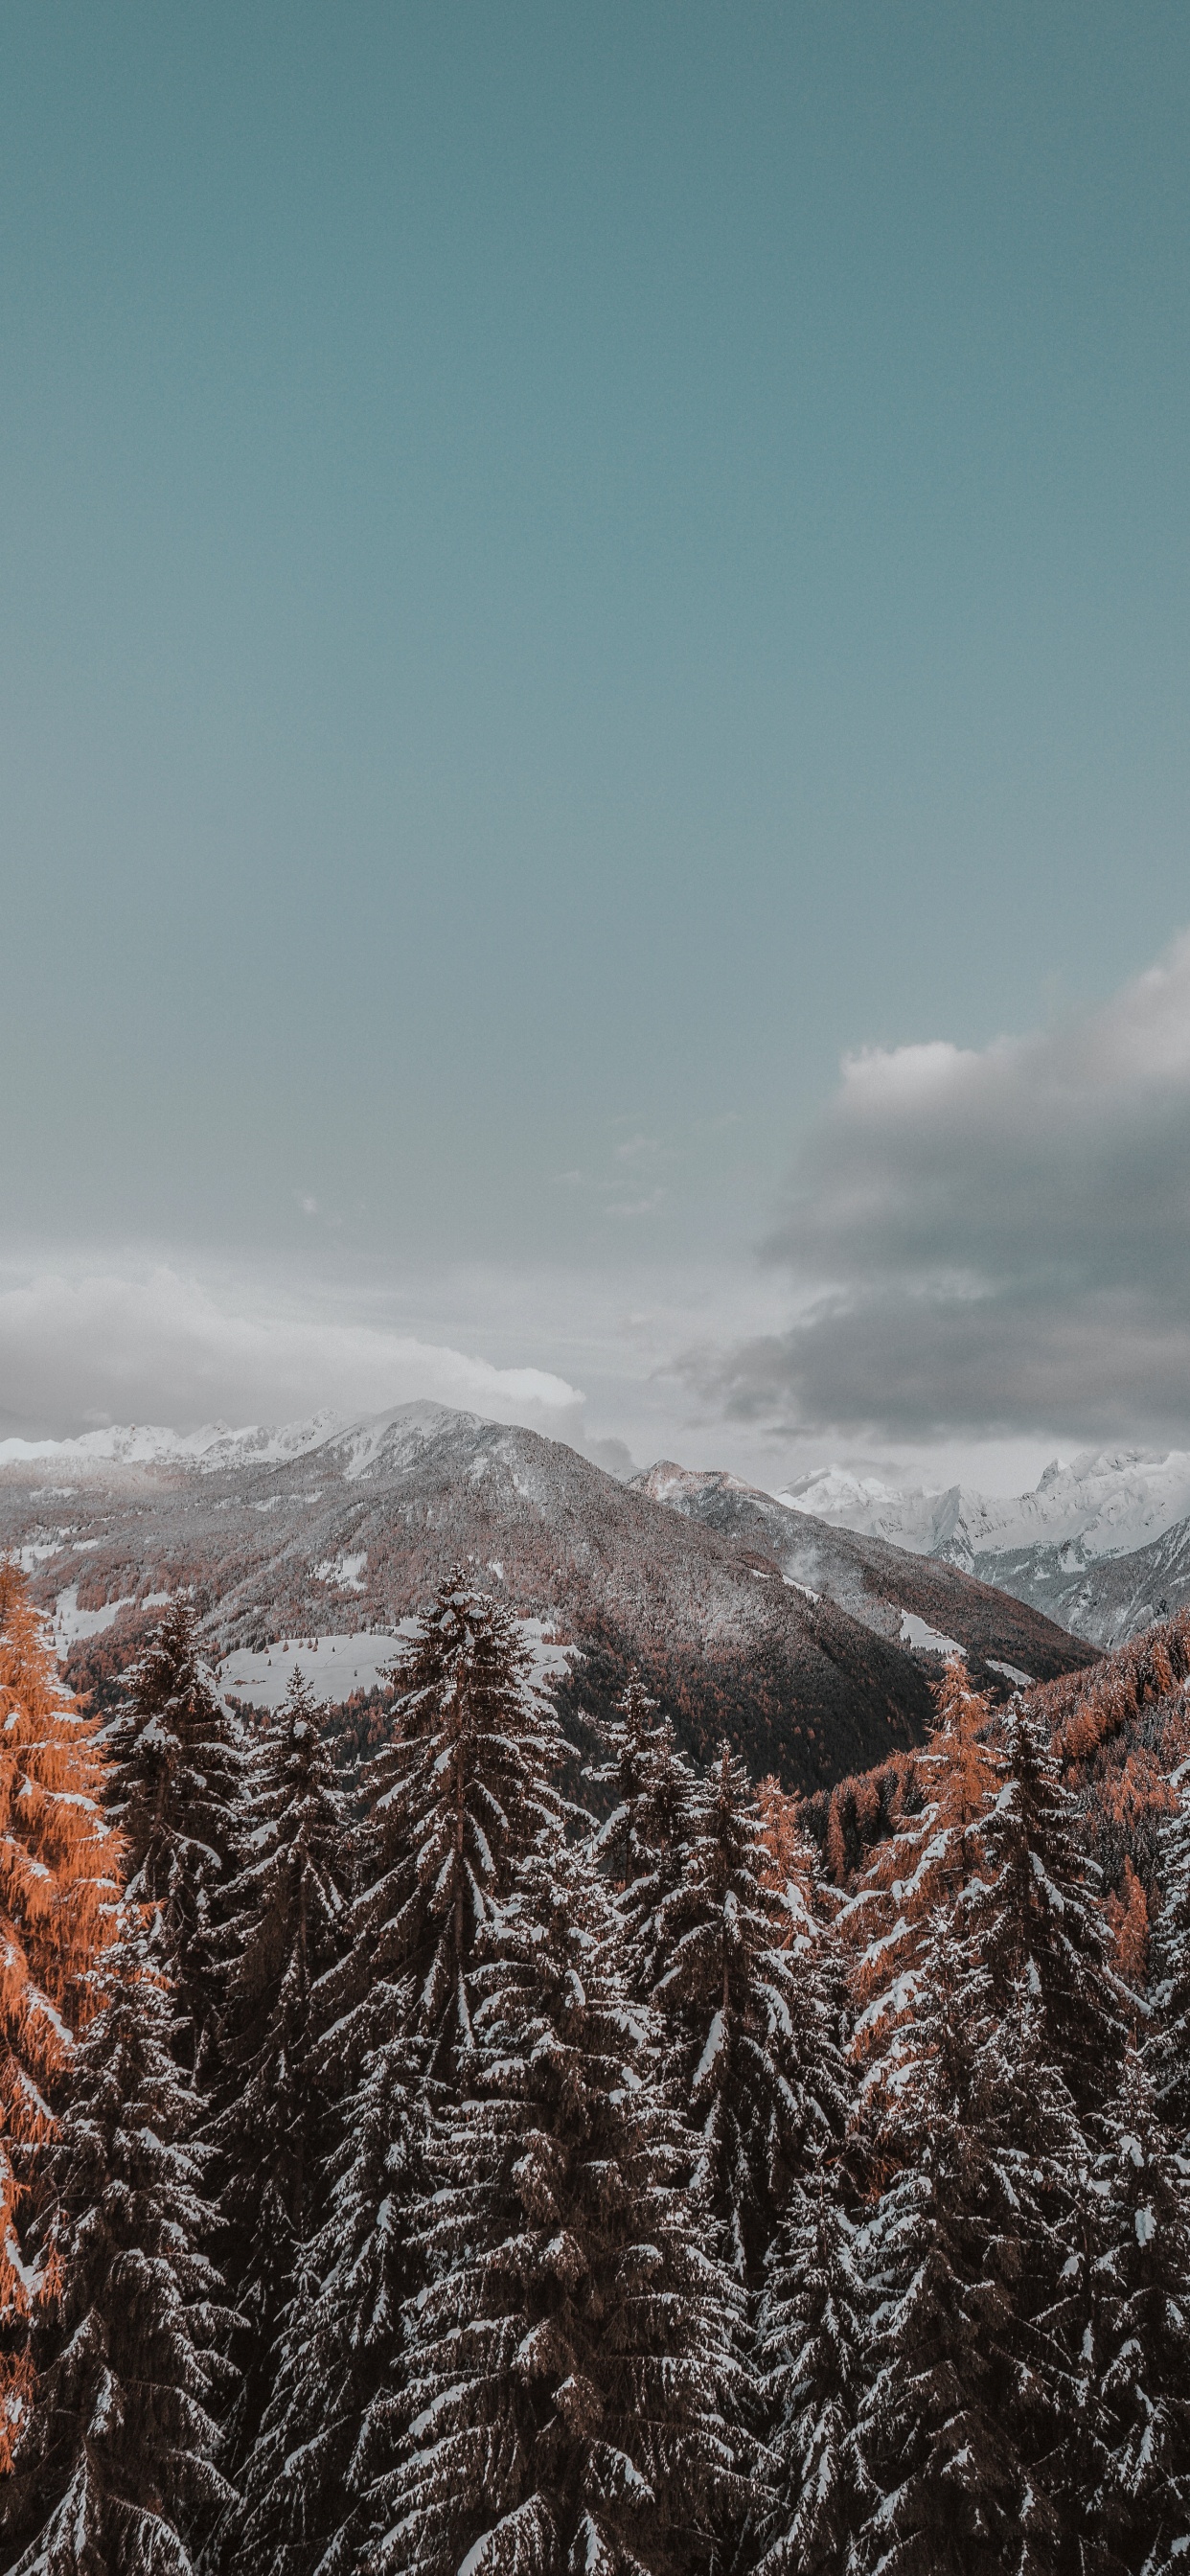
995	1240
80	1346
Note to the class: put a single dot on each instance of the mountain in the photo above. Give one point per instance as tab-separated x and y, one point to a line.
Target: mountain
912	1600
340	1529
1101	1545
141	1444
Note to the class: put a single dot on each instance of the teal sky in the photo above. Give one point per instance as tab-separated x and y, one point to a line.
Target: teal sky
559	570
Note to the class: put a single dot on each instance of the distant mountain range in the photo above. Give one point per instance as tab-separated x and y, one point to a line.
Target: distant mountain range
1102	1545
812	1646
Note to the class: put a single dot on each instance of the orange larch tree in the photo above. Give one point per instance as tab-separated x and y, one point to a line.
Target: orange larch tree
1128	1915
909	1882
59	1883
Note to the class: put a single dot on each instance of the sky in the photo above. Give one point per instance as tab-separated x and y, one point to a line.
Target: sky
593	750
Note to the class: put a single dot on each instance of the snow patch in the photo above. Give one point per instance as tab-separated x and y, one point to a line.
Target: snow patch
347	1573
35	1552
336	1666
927	1641
333	1667
69	1623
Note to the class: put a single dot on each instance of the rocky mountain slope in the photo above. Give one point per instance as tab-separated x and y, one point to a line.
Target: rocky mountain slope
335	1529
1101	1545
911	1600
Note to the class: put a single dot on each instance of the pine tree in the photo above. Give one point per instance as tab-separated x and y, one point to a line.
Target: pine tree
340	2342
642	1843
812	2346
1169	2046
285	1933
460	1792
59	1871
965	2411
791	1864
115	2472
181	1783
984	2413
457	1798
1128	2479
572	2357
754	2054
1038	1919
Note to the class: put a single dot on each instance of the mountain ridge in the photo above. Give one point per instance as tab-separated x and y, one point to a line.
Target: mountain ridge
1101	1545
344	1526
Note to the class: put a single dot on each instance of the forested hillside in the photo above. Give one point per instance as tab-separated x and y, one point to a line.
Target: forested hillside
413	2167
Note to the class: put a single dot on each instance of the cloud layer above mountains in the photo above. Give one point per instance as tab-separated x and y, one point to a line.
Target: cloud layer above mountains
86	1347
996	1240
982	1249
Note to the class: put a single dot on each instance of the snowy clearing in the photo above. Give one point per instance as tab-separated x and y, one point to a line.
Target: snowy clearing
928	1641
346	1573
70	1623
334	1667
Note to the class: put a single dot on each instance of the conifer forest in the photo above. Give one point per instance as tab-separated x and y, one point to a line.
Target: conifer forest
460	2158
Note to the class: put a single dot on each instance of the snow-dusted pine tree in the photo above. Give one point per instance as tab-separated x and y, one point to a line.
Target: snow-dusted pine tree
460	1792
812	2348
572	2355
340	2343
1126	2464
180	1807
115	2472
1169	2045
1038	1922
59	1883
965	2406
457	1798
753	2049
642	1842
270	2124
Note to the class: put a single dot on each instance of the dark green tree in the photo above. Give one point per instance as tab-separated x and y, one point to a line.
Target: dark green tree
642	1842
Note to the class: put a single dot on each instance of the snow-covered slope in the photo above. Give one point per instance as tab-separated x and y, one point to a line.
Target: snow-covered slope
1062	1547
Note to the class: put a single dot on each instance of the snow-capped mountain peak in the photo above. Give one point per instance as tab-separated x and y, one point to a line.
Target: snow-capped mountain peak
1106	1502
217	1446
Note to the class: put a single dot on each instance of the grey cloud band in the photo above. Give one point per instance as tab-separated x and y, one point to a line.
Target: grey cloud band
999	1240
